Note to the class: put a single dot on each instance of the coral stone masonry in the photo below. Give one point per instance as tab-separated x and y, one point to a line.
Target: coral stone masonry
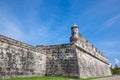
78	59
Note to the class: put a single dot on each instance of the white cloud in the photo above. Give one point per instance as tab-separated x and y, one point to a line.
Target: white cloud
12	26
110	22
117	61
109	47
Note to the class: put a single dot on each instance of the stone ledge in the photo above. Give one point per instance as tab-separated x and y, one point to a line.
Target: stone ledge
106	62
18	43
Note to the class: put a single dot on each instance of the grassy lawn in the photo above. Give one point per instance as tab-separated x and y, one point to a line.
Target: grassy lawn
94	78
50	78
43	78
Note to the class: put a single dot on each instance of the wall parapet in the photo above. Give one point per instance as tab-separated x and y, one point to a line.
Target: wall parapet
17	43
53	46
77	39
99	58
89	48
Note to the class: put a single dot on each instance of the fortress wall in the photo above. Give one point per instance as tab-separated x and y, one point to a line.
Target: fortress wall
92	63
90	66
61	60
88	47
77	59
20	59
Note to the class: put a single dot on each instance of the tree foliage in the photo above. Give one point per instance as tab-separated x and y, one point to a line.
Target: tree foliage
115	70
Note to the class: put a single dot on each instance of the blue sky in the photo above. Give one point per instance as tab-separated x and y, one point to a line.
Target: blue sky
49	21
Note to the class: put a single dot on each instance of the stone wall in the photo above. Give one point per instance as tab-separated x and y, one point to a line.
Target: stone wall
61	60
92	63
90	49
79	58
20	59
91	66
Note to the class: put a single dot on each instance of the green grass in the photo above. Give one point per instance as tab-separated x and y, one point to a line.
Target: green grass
40	78
93	78
50	78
